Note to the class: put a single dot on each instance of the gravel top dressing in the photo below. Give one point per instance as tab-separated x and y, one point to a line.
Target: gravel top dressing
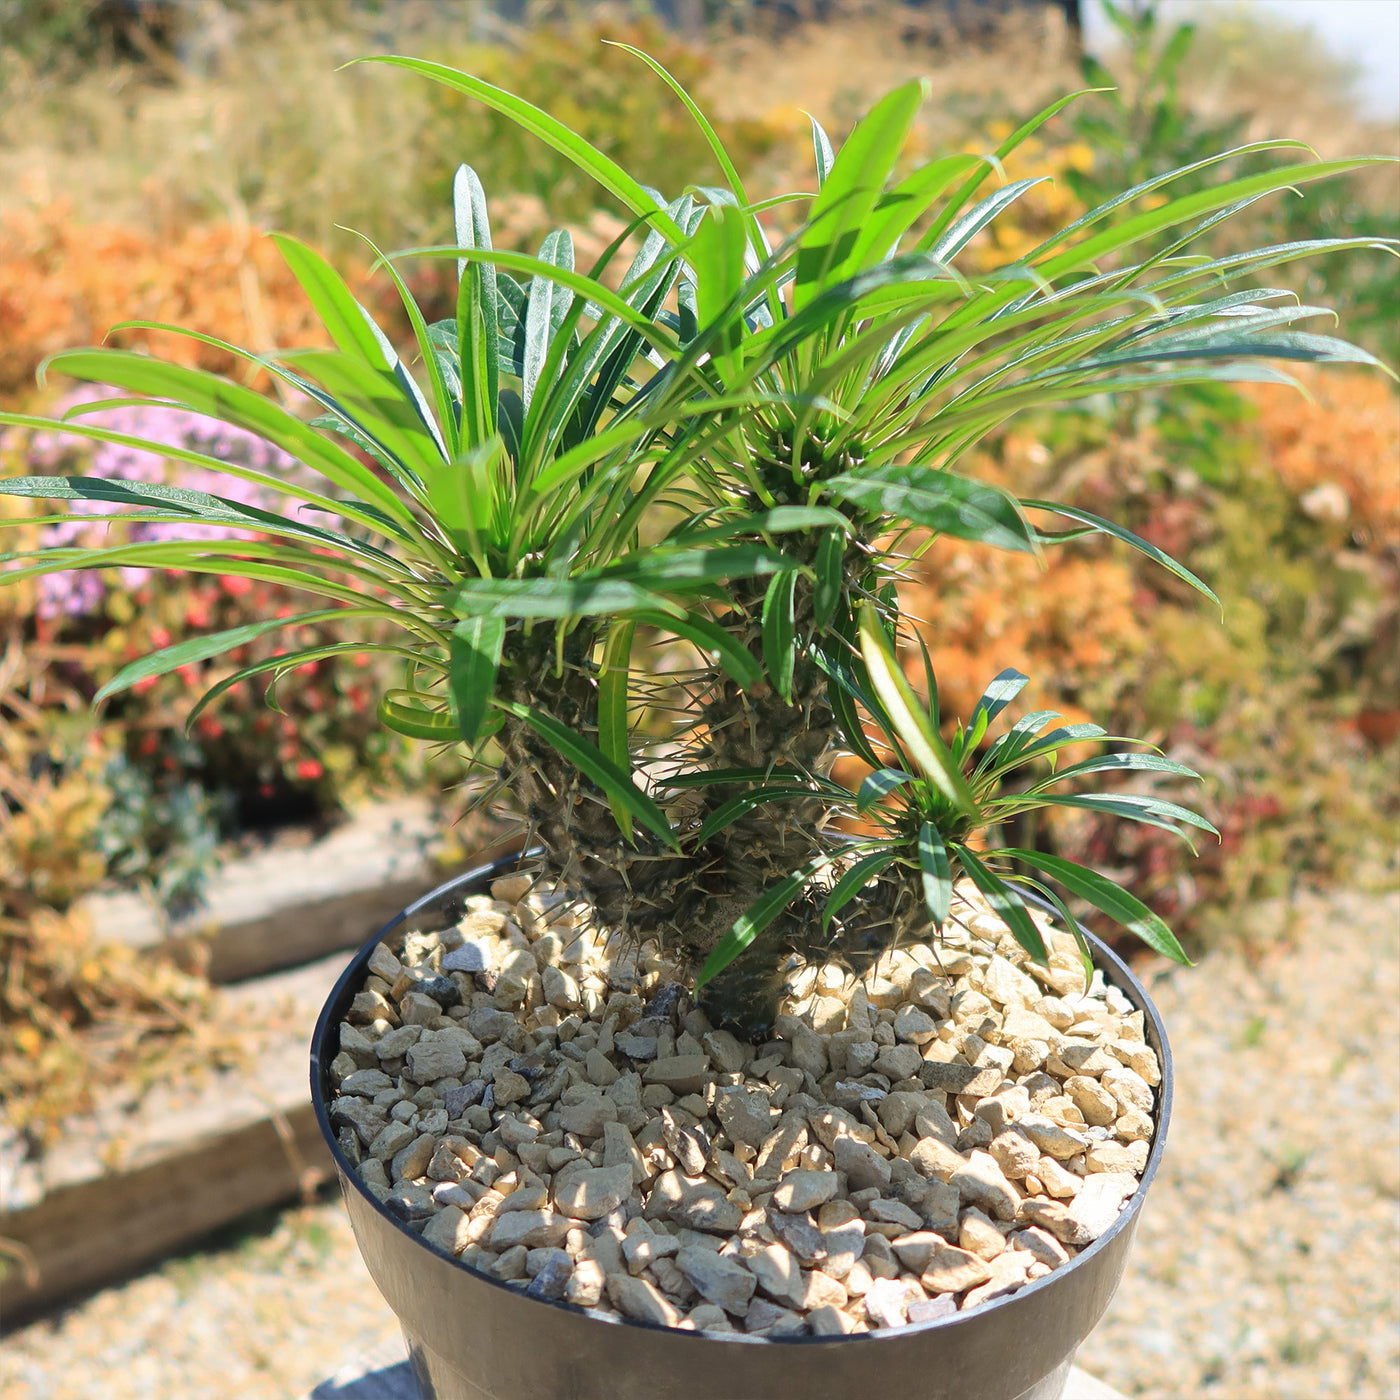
1264	1265
548	1109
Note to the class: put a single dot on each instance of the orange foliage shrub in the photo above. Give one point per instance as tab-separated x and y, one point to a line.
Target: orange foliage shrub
64	284
1347	437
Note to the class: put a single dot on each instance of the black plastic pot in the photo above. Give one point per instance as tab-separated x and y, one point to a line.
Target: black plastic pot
473	1338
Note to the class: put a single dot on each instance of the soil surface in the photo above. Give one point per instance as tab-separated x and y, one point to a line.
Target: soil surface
1264	1267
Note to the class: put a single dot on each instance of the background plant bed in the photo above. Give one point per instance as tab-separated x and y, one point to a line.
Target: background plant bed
408	1208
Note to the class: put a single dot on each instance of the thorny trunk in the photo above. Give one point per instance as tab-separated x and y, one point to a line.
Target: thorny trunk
687	903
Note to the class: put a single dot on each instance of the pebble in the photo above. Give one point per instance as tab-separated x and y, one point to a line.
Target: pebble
912	1136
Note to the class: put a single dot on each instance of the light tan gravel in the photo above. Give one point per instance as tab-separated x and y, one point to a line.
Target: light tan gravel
1267	1258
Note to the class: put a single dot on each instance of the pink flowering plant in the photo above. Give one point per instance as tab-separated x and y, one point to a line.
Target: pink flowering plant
731	446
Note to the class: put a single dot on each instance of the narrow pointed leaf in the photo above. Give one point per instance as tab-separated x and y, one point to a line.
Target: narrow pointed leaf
474	659
757	918
853	881
779	631
877	785
1005	903
1110	898
613	734
935	874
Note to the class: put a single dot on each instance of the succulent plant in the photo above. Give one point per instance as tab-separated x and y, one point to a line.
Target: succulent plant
733	447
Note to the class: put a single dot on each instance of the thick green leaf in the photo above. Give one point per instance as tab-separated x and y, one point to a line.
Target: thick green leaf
478	323
196	649
1006	904
492	597
547	306
851	189
411	719
853	881
942	501
613	733
676	569
878	784
474	656
831	578
244	408
554	133
1111	899
935	874
708	637
1154	811
780	632
1107	527
759	915
615	784
727	813
1118	762
910	720
350	326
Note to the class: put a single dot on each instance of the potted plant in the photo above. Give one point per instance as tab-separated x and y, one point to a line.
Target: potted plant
799	1080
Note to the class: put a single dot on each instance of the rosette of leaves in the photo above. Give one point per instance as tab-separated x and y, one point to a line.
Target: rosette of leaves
935	807
722	448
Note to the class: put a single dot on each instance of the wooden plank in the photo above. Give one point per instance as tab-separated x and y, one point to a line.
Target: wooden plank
124	1189
289	904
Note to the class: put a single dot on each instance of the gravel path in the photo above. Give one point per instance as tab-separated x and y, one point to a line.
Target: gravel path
1267	1259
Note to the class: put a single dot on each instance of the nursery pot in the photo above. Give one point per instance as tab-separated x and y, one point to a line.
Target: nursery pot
471	1337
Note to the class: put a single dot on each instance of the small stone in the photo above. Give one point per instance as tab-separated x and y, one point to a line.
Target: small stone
932	1157
1130	1157
511	889
366	1081
959	1078
719	1280
640	1300
1099	1200
778	1275
1057	1179
433	1060
951	1270
636	1047
1051	1138
1007	985
1008	1274
982	1183
799	1233
587	1117
1096	1103
899	1061
532	1228
1041	1245
410	1202
511	1263
801	1191
893	1213
979	1236
619	1149
586	1284
1133	1126
765	1319
897	1111
863	1166
600	1070
1053	1216
915	1250
470	957
447	1231
705	1207
559	988
747	1115
915	1026
830	1322
1139	1058
412	1161
1014	1153
551	1282
510	1087
887	1303
931	1309
726	1052
939	1207
593	1193
682	1074
823	1291
393	1138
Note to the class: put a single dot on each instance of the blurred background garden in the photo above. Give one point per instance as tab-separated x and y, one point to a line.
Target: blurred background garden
146	147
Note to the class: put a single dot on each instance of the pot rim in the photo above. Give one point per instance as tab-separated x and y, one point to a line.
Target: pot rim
1116	972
